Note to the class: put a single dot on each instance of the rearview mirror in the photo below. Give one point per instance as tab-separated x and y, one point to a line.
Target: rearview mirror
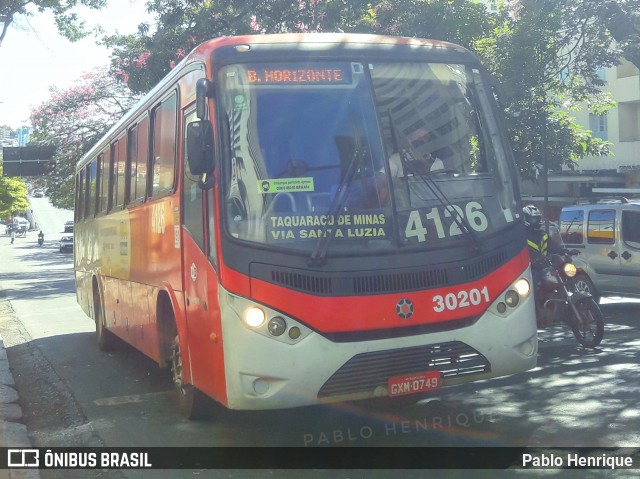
200	147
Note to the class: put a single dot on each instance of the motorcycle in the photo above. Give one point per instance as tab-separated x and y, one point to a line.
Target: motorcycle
40	240
557	300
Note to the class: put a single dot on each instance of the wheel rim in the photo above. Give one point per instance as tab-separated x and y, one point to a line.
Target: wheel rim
583	287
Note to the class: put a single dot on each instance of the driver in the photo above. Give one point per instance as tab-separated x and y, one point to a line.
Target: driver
418	162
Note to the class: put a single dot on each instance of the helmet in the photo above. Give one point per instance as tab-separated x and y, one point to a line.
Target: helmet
532	217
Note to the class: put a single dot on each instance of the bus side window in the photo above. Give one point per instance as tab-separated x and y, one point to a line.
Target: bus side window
91	188
139	148
131	168
103	173
121	183
87	184
80	196
162	171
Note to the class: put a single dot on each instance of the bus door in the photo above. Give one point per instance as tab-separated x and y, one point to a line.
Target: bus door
200	283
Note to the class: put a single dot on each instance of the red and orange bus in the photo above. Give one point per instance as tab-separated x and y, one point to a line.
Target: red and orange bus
265	223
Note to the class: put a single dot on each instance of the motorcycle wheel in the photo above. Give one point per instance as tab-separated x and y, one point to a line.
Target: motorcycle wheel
582	284
589	327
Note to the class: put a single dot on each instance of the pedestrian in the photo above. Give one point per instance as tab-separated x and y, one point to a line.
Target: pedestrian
13	235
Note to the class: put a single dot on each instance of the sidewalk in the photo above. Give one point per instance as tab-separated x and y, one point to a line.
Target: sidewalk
12	432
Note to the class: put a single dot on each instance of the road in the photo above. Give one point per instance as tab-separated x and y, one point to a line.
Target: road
74	395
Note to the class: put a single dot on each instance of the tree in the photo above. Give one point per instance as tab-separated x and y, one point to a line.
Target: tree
73	120
67	22
13	196
545	52
142	59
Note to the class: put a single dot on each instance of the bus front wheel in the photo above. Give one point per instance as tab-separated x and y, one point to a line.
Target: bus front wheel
190	401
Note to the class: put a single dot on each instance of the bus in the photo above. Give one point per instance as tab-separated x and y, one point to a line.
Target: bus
243	224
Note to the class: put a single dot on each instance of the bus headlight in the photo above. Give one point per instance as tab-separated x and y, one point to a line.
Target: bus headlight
277	326
523	287
254	317
511	298
570	270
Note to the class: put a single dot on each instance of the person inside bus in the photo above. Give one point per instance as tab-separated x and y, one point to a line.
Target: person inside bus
417	163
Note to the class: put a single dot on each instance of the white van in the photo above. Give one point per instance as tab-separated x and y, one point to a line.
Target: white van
607	235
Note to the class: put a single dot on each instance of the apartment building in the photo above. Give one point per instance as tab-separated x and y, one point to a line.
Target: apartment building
621	125
615	175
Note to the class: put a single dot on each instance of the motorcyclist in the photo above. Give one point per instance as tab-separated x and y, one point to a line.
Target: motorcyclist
539	242
40	237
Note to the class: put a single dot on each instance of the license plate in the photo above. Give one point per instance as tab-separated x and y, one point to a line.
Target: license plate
414	383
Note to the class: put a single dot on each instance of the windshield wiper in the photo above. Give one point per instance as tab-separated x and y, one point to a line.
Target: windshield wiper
319	254
460	220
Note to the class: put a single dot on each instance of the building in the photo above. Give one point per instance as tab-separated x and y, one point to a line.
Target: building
22	135
615	175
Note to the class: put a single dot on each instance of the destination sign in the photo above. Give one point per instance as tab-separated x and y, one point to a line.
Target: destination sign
318	74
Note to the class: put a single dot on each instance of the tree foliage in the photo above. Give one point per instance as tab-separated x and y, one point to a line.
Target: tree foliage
68	23
548	55
13	196
142	59
73	120
545	52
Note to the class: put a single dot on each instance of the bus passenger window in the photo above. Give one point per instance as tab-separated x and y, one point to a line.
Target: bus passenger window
103	176
92	187
164	147
80	197
143	154
132	164
120	171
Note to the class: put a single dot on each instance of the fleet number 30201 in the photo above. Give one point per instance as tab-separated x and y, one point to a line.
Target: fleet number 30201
461	299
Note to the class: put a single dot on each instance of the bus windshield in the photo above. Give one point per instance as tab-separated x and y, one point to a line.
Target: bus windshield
369	157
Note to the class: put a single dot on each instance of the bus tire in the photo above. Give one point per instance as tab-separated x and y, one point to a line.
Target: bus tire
107	341
191	402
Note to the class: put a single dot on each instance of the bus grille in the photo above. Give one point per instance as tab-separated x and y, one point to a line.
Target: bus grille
480	268
376	282
303	282
366	371
389	283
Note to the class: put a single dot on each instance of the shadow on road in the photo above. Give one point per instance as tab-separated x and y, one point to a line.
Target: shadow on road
575	397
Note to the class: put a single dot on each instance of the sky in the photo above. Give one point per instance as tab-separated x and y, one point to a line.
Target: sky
33	56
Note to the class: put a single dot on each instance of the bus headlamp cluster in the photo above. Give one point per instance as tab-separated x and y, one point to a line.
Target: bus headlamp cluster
256	319
518	290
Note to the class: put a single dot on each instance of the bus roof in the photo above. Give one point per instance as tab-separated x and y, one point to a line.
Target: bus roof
323	38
